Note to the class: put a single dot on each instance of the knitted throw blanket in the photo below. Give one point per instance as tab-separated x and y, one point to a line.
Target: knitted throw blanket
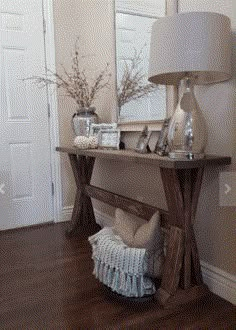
120	267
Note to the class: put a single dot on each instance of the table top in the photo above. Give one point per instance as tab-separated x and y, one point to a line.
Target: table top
150	158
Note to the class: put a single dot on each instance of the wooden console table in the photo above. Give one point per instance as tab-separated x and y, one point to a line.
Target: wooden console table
182	277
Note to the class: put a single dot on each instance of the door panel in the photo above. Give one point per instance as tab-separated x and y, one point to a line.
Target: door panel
25	143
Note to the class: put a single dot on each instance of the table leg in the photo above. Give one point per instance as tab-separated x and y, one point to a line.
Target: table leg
82	214
182	188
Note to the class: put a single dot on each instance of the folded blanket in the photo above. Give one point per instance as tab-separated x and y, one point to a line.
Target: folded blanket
123	269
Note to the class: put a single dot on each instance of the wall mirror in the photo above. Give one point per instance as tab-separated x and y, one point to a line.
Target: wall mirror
133	25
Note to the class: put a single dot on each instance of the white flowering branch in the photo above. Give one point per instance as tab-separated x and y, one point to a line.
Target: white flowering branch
76	84
132	85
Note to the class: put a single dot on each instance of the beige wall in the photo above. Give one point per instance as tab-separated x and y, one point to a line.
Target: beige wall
215	225
91	21
215	228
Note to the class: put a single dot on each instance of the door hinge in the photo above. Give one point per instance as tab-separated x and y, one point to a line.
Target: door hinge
52	189
49	110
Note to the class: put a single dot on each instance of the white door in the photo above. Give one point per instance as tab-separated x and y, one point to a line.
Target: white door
25	174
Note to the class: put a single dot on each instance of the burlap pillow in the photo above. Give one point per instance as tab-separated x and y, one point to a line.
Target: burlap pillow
136	232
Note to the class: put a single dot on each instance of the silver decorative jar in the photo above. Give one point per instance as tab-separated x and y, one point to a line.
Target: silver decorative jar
82	120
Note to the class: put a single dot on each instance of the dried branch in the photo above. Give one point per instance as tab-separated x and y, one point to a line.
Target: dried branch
132	85
75	83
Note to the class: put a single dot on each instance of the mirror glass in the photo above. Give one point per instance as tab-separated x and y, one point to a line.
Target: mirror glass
134	21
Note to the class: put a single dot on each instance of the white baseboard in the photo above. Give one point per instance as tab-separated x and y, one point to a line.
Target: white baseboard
102	219
66	214
219	282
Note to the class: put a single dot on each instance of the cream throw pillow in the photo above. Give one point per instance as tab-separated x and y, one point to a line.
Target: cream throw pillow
139	233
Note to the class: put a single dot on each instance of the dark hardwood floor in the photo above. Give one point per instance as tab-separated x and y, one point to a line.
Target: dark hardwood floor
47	283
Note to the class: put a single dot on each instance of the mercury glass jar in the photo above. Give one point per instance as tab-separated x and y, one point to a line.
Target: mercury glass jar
82	120
187	134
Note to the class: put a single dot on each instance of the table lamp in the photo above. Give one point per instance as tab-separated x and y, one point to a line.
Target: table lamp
192	48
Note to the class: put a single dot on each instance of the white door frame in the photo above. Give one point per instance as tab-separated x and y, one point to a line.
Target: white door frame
53	109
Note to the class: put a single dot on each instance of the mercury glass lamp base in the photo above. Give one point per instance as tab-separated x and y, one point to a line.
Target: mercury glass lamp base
187	133
185	155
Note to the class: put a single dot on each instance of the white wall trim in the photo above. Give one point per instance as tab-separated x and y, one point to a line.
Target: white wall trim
66	214
102	219
219	282
52	100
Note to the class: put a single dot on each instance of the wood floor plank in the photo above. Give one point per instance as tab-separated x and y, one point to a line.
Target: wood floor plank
47	283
